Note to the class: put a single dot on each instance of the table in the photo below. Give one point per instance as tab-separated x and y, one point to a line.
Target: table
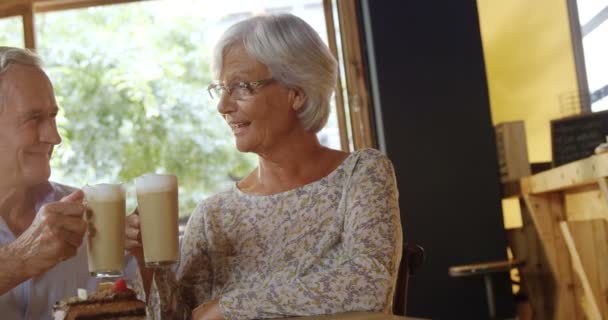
486	269
564	240
353	316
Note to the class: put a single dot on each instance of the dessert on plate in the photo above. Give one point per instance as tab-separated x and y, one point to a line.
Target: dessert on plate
110	301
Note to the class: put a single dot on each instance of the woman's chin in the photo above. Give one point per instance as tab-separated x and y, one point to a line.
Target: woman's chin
243	146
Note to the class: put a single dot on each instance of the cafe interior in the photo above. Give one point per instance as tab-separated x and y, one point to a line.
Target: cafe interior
492	113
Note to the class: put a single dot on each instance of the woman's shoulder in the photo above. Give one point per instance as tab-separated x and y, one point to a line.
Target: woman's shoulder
212	206
219	199
370	153
370	163
368	156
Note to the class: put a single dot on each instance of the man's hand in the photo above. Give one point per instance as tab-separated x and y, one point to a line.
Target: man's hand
53	237
208	311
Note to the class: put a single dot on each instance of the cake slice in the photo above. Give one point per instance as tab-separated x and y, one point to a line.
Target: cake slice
108	302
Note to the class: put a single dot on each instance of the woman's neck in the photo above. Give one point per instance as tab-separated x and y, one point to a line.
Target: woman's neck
291	165
294	163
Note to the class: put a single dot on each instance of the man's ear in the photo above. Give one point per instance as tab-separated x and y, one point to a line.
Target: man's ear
297	98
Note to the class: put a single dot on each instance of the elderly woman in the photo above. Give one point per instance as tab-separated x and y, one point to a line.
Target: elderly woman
311	230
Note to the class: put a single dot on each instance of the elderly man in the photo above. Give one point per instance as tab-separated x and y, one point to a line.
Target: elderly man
41	223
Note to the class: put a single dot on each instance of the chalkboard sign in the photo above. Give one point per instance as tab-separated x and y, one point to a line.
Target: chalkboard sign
575	138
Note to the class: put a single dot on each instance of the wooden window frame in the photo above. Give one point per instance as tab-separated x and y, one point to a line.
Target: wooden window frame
355	76
579	56
28	8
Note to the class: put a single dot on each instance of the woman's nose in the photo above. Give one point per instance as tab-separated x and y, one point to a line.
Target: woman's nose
226	105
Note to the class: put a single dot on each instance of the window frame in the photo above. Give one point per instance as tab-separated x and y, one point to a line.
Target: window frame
578	33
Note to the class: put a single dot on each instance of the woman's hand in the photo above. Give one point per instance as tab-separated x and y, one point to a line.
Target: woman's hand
208	311
133	245
133	236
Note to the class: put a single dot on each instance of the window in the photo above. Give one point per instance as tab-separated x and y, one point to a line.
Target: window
593	17
131	81
11	32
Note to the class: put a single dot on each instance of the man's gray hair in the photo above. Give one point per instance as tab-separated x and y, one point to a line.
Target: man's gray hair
10	56
295	55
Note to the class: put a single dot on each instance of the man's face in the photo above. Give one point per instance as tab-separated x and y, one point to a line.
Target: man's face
28	130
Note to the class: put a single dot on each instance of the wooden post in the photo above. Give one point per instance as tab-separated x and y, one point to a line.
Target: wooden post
331	38
547	211
536	275
603	184
358	97
588	246
29	28
590	306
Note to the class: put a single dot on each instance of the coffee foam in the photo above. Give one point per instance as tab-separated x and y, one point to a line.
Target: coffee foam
153	182
104	192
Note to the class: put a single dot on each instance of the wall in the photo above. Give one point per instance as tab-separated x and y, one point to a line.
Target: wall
429	89
529	65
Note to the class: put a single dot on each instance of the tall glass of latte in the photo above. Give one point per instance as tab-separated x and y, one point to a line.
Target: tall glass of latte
157	204
105	214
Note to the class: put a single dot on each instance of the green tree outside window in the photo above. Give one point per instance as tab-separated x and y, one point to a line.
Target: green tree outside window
131	86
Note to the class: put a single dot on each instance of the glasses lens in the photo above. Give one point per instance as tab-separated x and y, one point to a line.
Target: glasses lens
237	91
214	91
241	92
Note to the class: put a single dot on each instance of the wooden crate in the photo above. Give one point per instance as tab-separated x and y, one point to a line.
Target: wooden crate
512	151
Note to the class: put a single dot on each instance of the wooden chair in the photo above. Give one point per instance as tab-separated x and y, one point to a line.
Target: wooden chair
411	259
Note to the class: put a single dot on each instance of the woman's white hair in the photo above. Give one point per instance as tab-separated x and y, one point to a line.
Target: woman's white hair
295	55
10	56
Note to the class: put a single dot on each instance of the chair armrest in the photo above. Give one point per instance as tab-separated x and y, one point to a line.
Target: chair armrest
414	256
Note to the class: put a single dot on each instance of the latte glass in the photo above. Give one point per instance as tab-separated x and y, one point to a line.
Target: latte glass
105	214
157	203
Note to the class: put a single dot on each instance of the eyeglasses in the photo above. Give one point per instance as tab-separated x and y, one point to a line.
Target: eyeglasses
237	90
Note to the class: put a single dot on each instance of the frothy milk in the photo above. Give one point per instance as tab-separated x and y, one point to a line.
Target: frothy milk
157	204
106	231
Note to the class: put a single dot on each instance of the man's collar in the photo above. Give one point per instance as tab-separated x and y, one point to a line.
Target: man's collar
42	194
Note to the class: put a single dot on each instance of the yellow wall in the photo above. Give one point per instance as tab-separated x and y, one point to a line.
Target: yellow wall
530	66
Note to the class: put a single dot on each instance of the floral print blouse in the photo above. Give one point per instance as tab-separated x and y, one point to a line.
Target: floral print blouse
330	246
